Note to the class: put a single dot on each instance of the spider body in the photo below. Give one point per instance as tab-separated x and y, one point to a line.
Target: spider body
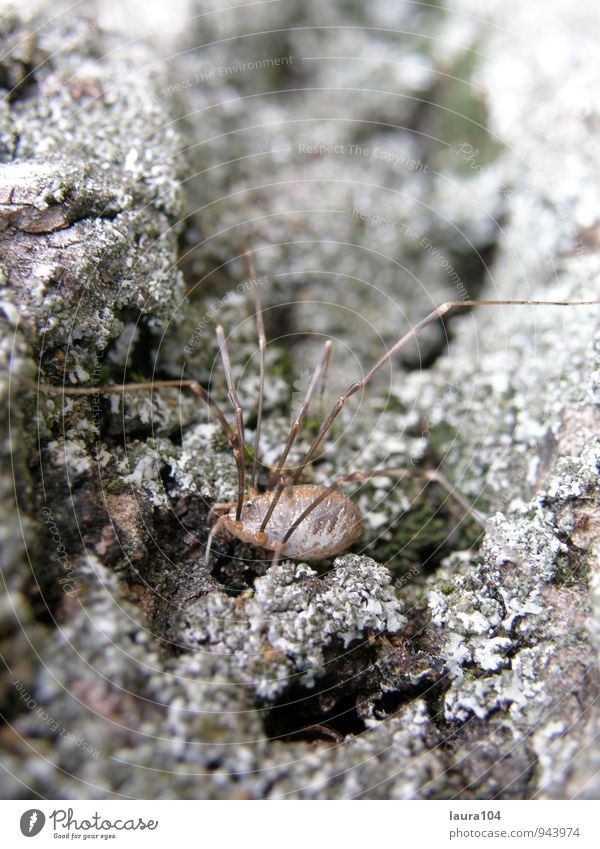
329	529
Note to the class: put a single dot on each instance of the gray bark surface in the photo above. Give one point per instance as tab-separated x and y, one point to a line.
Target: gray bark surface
436	665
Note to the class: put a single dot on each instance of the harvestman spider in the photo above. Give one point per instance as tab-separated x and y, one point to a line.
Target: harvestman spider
300	521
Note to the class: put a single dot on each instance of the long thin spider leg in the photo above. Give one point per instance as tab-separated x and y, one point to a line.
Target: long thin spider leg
281	485
197	389
237	407
425	474
319	411
433	316
438	477
303	410
276	556
262	345
219	507
304	407
213	532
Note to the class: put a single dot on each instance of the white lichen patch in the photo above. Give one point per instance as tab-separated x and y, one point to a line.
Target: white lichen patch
199	468
293	617
140	467
511	689
71	454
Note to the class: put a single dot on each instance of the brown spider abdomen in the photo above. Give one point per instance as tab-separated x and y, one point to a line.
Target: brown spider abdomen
329	529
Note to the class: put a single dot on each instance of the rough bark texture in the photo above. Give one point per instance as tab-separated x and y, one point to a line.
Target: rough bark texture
427	663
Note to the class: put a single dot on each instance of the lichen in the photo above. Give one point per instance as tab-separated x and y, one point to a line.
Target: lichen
448	668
